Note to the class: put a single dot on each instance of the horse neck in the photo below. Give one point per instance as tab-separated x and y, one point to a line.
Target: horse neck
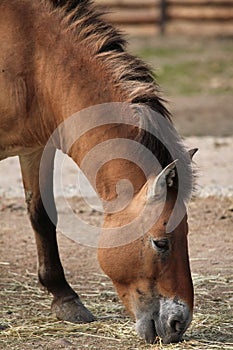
73	84
96	153
72	81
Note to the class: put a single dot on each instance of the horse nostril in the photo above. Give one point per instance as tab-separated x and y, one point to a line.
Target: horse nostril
176	326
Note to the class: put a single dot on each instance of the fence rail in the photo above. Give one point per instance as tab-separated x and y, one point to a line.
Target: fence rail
211	17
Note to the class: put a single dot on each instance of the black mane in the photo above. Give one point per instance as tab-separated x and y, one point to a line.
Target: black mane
108	45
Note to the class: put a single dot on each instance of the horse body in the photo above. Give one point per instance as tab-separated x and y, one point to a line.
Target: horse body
54	63
31	76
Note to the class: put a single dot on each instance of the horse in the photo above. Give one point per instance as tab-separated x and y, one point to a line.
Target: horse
58	58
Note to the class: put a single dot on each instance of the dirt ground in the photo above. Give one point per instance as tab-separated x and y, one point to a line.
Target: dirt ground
211	255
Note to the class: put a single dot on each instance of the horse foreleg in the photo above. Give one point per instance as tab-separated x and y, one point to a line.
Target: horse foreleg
66	303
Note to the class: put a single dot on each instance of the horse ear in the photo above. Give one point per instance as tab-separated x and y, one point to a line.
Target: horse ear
165	177
192	152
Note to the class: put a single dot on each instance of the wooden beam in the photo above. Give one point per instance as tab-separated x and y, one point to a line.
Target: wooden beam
140	30
127	3
163	16
200	14
203	29
134	16
221	3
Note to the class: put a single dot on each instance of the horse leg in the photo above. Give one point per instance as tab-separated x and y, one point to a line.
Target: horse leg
66	303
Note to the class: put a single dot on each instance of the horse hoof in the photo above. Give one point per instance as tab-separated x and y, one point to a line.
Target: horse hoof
72	310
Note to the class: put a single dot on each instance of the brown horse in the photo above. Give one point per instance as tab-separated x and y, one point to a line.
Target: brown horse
57	59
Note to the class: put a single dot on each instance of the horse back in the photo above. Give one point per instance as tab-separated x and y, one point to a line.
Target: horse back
19	28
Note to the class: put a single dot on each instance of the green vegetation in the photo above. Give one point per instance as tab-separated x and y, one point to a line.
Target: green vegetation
184	69
196	77
167	51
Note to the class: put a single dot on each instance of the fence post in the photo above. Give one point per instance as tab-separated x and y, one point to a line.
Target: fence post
163	16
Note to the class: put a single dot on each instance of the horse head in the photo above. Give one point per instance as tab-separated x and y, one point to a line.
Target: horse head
152	273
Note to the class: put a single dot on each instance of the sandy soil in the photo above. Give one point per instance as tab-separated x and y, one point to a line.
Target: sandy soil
211	255
213	163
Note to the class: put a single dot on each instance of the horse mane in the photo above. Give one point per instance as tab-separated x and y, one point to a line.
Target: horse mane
106	43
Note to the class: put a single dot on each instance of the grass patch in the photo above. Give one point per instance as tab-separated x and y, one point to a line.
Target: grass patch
194	77
184	69
170	51
160	52
28	324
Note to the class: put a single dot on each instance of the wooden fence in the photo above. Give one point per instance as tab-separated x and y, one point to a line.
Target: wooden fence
206	17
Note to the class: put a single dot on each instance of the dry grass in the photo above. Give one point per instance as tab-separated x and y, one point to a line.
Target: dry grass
28	324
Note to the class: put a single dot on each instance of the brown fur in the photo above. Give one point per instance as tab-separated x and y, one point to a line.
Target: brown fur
55	60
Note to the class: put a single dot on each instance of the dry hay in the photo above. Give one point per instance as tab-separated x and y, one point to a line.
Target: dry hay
28	324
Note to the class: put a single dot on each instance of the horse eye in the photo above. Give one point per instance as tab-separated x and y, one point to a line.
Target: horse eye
161	244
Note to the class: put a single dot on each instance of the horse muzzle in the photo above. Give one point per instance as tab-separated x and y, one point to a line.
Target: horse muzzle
169	322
